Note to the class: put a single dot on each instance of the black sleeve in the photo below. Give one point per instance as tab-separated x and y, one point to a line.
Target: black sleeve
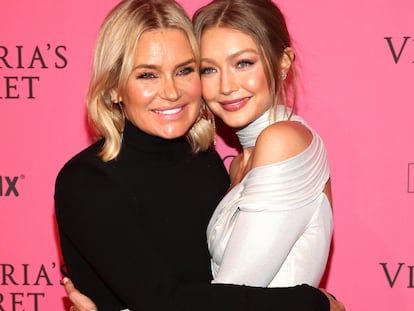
115	246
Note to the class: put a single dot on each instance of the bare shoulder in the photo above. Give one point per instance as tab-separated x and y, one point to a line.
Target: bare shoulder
281	141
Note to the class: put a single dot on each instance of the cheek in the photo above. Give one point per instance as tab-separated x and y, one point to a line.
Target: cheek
256	81
139	92
136	99
207	89
145	93
194	88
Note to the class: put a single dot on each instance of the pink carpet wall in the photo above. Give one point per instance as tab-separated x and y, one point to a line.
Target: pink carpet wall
356	63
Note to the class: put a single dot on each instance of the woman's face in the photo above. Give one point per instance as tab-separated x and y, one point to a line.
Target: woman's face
233	78
163	91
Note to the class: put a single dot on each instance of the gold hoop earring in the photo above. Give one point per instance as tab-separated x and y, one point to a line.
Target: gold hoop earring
206	114
209	116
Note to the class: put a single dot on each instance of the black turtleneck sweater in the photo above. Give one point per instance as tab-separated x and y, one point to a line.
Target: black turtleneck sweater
132	230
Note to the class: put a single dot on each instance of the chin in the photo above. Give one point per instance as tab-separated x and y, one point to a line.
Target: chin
236	120
236	124
171	134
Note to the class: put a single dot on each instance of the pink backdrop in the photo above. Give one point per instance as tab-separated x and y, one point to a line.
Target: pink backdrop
356	63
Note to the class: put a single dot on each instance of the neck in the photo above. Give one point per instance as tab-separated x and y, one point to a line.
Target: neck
248	135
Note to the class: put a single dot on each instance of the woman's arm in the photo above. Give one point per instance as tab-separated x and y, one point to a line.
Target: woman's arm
83	303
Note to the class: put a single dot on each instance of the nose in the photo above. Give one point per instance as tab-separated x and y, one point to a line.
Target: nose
170	90
227	82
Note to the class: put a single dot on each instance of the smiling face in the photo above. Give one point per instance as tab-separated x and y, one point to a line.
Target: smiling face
233	78
163	91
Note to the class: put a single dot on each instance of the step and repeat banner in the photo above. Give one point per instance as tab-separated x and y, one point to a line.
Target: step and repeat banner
356	65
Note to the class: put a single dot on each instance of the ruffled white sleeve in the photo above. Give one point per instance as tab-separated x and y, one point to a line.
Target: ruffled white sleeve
275	227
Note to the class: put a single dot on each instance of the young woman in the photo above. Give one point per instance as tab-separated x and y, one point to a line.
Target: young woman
278	210
132	209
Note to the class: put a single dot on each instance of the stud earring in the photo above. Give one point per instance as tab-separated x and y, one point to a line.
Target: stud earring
283	76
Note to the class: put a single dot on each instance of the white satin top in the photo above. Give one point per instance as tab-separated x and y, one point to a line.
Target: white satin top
274	228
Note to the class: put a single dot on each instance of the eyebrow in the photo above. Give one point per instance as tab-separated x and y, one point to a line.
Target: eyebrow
156	67
231	56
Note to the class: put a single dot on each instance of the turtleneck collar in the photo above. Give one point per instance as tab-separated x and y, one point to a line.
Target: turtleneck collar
141	141
248	135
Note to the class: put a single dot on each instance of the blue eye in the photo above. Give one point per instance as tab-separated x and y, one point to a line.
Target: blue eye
207	70
244	63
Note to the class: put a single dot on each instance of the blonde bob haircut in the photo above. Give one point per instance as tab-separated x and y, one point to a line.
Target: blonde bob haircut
113	63
265	24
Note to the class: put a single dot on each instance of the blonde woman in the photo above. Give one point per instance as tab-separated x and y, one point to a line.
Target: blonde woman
274	227
133	208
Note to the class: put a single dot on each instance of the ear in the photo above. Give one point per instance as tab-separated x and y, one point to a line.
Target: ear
286	60
115	97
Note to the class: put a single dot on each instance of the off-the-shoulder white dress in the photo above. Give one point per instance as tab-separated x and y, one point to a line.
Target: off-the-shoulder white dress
274	228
